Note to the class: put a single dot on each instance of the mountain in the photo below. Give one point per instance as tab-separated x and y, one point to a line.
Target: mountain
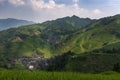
10	22
66	24
56	31
92	45
45	38
97	48
102	32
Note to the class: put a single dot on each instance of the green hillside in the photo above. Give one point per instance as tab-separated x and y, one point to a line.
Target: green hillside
94	43
99	60
100	33
97	48
42	38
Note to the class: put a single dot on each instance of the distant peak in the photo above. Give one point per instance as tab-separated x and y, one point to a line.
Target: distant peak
74	16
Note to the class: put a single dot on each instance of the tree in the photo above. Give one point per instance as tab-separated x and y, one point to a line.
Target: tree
116	67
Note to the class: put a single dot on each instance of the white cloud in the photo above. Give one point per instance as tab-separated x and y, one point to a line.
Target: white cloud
40	4
51	10
97	11
51	6
17	2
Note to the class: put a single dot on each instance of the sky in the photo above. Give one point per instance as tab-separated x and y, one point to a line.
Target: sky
43	10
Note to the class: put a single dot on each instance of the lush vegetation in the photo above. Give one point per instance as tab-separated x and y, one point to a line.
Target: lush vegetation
40	75
46	38
94	44
90	62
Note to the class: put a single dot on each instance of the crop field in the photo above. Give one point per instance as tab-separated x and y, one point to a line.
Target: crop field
41	75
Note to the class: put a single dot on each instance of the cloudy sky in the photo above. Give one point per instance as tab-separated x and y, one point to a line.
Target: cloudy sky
42	10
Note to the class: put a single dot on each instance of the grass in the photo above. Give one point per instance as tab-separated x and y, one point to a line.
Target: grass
46	51
40	75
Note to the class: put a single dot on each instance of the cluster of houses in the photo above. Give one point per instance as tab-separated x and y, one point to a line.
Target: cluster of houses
36	61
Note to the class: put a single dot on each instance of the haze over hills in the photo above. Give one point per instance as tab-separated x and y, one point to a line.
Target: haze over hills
11	22
91	44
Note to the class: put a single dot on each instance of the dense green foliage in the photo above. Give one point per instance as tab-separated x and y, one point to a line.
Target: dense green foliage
90	62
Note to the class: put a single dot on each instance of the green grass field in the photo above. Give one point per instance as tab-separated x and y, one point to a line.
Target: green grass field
41	75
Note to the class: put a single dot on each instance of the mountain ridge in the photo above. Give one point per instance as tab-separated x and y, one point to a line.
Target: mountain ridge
11	23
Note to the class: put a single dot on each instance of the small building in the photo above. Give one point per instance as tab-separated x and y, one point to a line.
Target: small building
31	67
